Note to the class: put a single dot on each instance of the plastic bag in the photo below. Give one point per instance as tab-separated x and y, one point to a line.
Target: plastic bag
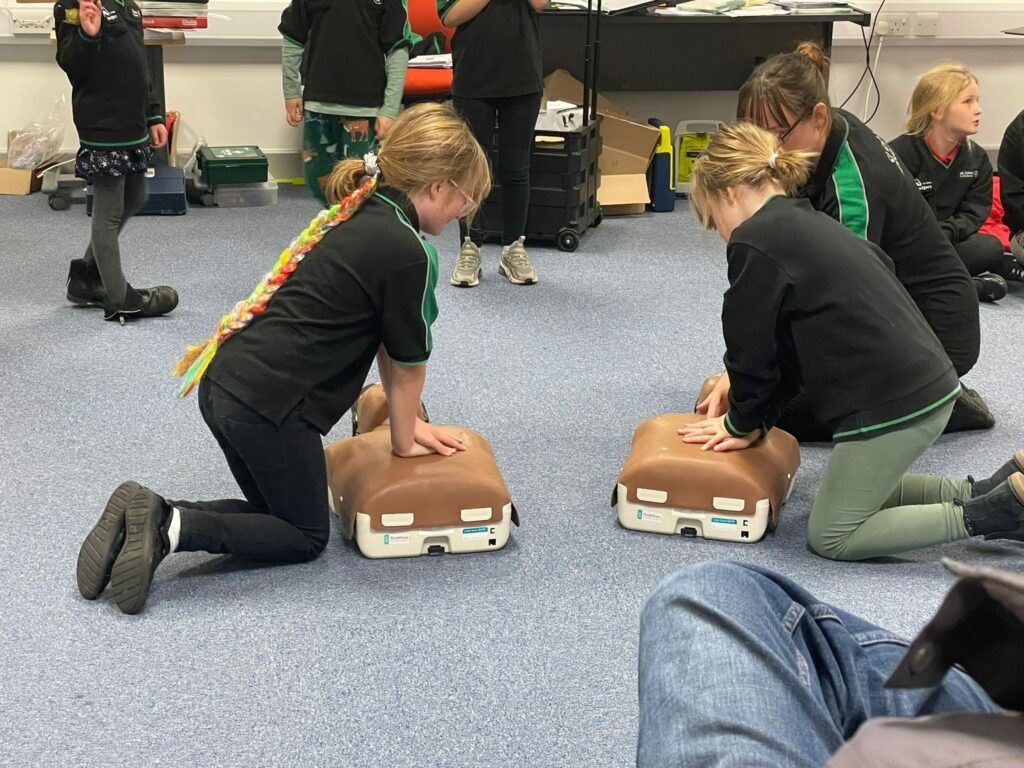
38	142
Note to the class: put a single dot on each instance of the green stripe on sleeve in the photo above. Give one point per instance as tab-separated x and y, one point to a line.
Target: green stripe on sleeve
853	199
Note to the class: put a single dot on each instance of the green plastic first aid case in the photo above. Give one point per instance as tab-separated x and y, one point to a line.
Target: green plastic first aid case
232	165
692	138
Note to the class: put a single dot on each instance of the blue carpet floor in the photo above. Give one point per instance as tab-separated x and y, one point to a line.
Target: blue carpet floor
525	657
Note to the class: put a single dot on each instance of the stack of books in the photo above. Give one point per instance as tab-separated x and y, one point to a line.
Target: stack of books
174	14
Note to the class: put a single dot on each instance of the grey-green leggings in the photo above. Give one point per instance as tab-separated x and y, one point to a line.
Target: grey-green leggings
867	507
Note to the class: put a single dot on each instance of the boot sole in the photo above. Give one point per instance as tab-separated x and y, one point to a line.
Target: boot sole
514	280
467	283
1018	459
132	574
78	301
102	545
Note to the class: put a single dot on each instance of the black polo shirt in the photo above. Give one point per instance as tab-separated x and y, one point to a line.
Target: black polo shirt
496	53
959	192
346	42
370	281
811	306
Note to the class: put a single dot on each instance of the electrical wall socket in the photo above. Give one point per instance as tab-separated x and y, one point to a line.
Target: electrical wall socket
926	24
893	24
23	22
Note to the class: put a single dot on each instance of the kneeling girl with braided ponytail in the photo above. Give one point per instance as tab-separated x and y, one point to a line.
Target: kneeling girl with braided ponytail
286	363
812	307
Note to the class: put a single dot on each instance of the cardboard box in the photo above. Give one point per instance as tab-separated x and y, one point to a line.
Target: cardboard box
18	181
562	86
627	150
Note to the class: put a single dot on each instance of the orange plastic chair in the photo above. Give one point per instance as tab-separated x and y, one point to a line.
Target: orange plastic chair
428	84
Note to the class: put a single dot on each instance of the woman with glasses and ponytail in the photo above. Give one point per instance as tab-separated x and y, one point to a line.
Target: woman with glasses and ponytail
857	179
285	364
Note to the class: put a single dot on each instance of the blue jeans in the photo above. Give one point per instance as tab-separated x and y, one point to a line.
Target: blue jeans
742	667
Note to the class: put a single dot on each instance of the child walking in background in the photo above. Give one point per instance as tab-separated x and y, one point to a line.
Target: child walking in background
343	69
285	364
813	307
100	47
498	77
954	174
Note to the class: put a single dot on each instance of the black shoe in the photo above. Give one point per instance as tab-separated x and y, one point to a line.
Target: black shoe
969	413
102	545
981	487
85	287
999	514
144	302
1014	272
990	287
145	545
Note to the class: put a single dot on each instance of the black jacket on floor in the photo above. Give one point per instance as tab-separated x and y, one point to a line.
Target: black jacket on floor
111	97
959	193
860	183
812	306
1011	174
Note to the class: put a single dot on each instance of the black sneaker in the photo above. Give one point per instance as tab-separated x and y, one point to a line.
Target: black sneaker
102	545
145	546
990	287
981	487
143	302
1014	271
85	287
999	514
969	413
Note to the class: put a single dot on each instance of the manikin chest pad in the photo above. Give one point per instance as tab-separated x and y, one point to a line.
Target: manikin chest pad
668	486
397	507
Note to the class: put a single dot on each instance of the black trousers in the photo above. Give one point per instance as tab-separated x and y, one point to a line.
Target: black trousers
982	253
285	516
516	117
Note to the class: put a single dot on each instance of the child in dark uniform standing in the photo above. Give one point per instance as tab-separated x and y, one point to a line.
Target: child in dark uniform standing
812	307
285	364
343	69
100	47
496	54
954	174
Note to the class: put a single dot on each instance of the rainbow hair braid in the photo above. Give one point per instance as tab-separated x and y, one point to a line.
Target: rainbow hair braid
197	359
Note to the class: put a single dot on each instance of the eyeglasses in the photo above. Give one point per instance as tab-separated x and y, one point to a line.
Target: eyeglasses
781	134
469	206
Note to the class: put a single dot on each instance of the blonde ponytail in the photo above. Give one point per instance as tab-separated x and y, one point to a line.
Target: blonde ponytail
741	154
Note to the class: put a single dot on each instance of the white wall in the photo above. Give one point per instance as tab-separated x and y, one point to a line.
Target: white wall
230	92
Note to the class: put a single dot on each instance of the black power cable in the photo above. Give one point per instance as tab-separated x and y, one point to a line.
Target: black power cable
867	63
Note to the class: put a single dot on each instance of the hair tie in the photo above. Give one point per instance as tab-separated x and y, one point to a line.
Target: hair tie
771	161
370	163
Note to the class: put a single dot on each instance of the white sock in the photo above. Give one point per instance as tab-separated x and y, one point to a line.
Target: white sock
174	529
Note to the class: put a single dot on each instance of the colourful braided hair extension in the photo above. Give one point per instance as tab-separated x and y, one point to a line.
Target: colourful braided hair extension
197	359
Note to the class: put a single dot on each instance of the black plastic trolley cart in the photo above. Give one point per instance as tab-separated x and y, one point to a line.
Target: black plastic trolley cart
564	172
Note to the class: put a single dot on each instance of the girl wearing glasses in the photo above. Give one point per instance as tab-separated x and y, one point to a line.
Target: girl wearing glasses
287	362
857	179
954	174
